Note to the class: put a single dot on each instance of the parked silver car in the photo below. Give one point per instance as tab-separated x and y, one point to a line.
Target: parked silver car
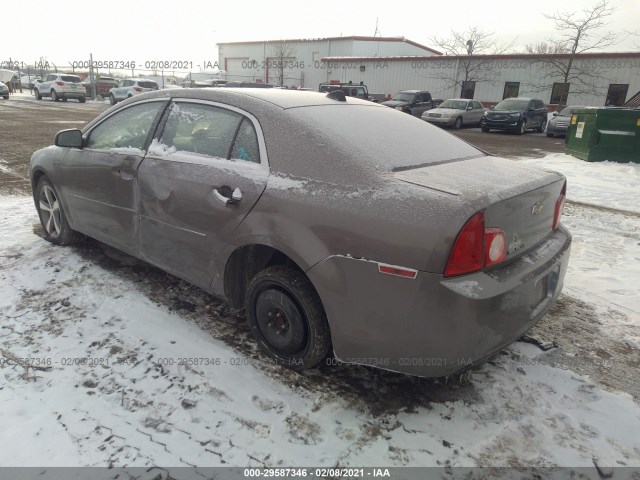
130	87
60	86
402	247
456	113
559	122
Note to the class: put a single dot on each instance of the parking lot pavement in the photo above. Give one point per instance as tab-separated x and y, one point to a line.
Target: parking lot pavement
511	145
28	125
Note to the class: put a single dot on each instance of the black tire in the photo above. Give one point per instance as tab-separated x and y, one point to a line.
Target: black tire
112	99
287	318
82	99
54	96
64	99
542	126
52	216
6	98
550	135
458	124
523	127
37	93
484	129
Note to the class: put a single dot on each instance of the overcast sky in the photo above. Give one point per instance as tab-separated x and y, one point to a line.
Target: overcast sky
146	30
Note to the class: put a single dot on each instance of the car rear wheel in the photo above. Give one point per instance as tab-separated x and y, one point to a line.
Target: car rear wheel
82	99
112	99
54	96
484	129
523	128
458	123
550	135
542	126
287	318
52	216
37	93
64	99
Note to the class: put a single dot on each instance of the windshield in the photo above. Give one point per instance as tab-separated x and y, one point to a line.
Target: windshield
148	84
512	104
403	97
455	104
70	79
568	111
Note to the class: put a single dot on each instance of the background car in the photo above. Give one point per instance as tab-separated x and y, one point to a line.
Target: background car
455	113
60	86
559	123
516	114
130	87
4	91
329	241
413	102
104	85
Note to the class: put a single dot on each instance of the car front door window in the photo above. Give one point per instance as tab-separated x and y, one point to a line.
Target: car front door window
126	129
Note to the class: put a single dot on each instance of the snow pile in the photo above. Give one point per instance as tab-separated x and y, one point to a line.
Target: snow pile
605	184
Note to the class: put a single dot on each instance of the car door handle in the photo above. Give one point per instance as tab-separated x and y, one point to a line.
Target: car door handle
226	196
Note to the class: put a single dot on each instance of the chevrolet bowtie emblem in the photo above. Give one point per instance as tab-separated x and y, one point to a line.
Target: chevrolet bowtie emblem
537	208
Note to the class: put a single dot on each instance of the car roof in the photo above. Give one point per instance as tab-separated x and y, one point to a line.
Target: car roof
519	98
411	91
283	98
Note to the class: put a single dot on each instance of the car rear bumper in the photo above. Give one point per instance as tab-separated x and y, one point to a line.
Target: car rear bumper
76	94
432	326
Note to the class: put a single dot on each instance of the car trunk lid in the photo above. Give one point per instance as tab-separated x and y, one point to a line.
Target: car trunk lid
516	198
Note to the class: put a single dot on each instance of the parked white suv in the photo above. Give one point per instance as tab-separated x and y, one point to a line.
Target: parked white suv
61	86
130	87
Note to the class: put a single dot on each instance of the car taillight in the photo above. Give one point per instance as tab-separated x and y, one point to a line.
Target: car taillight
559	206
60	84
476	247
137	89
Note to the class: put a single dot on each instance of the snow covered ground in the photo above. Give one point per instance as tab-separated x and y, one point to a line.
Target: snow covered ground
105	335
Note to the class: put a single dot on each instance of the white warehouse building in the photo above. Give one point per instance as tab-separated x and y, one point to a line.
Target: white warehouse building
389	64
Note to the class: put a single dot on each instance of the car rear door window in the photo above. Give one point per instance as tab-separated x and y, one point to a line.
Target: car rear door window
202	129
127	128
245	146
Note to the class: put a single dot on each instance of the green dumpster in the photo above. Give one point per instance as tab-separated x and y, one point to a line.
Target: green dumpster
597	134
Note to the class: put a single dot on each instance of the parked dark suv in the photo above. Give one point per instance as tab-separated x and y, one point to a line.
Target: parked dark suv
516	114
414	102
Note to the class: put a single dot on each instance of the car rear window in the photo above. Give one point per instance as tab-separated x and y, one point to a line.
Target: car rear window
70	79
148	84
384	137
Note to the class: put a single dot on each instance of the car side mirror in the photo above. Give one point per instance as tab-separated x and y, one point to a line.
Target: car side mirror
555	114
71	138
469	108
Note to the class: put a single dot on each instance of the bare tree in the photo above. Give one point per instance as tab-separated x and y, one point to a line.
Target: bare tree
578	34
282	55
470	46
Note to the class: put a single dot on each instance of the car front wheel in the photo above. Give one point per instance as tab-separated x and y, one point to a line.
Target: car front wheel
52	216
523	127
458	123
82	99
37	93
287	318
112	99
542	126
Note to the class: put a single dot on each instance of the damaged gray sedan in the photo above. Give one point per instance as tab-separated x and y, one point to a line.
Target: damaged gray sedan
341	226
